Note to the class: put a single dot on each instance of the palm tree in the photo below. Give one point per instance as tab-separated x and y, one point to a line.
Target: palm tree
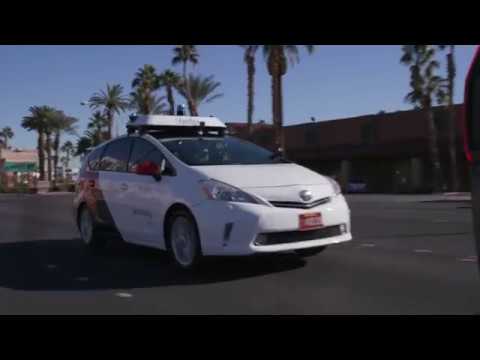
147	78
276	57
446	97
60	123
84	144
69	151
38	121
144	103
97	127
6	133
183	54
171	80
249	58
65	161
111	102
425	85
201	90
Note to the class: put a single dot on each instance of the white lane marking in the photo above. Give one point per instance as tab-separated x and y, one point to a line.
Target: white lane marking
51	266
440	221
367	245
469	259
124	295
424	251
82	278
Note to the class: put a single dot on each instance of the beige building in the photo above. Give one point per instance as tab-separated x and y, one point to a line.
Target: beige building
18	166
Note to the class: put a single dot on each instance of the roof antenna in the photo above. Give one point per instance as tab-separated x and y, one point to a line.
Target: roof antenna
181	110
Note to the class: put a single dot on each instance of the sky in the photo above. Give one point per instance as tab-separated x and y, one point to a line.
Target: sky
335	82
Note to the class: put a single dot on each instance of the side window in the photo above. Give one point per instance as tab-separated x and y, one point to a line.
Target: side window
116	156
474	107
143	151
93	159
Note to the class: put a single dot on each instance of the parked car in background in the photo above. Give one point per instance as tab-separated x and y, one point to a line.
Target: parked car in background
357	185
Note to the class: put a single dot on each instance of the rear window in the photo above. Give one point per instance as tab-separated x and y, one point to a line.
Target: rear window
115	157
93	159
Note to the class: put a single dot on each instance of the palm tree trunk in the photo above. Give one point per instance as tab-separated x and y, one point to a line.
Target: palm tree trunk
274	110
171	100
41	154
453	125
250	93
434	153
110	124
56	146
280	114
453	149
49	156
191	106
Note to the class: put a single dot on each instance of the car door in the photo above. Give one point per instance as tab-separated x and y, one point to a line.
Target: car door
114	183
149	197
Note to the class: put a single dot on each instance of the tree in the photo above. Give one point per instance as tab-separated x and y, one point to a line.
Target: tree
145	83
183	54
38	121
65	161
69	151
170	80
446	97
276	57
144	103
111	102
6	133
201	90
249	58
97	128
84	144
60	123
425	84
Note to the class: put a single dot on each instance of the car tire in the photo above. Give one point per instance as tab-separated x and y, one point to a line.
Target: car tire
183	241
91	237
310	252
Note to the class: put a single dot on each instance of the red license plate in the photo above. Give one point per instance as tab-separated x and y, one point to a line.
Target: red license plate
310	221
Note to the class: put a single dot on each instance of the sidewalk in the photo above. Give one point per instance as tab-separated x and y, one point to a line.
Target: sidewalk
418	198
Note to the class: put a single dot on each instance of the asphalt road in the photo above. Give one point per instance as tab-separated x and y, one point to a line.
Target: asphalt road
407	257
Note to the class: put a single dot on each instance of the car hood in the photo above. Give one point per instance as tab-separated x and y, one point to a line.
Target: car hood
281	182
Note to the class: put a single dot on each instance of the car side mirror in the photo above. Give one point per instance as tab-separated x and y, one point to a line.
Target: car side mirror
149	168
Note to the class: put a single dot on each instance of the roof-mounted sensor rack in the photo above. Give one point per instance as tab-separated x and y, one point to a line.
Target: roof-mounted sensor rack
174	125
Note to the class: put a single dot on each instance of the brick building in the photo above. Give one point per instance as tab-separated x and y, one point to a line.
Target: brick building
387	151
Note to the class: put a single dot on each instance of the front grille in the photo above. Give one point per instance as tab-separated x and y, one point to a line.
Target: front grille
300	205
298	236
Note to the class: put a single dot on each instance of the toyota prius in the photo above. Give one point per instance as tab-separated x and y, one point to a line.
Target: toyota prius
183	185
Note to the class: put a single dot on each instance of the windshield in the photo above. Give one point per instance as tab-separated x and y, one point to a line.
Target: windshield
220	151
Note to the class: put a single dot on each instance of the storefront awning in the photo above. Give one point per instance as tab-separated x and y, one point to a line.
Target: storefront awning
19	167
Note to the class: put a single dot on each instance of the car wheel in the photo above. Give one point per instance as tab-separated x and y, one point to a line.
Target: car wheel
310	251
183	240
91	237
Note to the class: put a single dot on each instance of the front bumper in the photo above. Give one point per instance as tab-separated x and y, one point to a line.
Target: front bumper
238	228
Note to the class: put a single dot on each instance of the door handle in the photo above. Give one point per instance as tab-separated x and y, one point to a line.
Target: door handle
124	187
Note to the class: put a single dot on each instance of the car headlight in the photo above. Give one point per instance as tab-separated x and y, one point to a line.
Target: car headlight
336	188
217	190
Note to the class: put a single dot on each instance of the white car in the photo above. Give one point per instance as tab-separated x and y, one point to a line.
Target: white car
182	184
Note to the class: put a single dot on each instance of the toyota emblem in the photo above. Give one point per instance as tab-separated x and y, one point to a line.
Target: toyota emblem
306	195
